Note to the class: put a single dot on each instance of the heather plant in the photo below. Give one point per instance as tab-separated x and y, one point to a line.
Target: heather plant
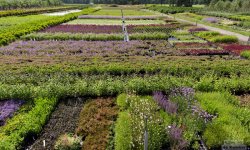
94	37
197	30
176	137
211	20
165	103
8	108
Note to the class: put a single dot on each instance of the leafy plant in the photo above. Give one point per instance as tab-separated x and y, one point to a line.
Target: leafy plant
245	54
68	142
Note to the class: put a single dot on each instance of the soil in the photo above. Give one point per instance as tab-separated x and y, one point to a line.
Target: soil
63	120
245	100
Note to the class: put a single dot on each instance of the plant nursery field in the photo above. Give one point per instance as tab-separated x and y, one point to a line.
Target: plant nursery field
85	81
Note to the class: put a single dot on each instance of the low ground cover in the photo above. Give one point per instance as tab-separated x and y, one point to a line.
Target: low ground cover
111	29
95	37
153	17
126	12
114	22
17	29
33	11
216	37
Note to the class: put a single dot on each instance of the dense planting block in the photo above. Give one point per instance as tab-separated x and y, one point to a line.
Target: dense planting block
95	121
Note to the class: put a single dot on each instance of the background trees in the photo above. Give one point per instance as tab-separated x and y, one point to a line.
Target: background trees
173	2
230	5
14	4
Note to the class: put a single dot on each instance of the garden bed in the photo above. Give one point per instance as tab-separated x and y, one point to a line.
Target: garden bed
63	120
8	108
95	121
114	22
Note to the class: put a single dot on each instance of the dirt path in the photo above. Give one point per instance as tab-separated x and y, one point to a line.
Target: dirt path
63	120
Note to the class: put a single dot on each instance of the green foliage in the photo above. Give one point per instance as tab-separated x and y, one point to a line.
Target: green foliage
216	37
122	101
33	11
147	108
245	54
14	32
94	37
114	22
26	124
174	10
207	34
230	124
123	131
126	12
6	4
230	6
224	39
206	84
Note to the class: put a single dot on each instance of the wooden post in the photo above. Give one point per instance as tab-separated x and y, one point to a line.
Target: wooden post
248	41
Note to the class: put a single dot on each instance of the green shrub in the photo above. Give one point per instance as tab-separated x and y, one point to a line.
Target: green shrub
207	34
231	123
122	101
224	39
26	124
245	54
14	32
123	132
33	11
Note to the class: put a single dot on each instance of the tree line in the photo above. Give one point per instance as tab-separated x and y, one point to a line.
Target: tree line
14	4
230	5
172	2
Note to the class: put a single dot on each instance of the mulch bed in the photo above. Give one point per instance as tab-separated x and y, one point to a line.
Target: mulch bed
63	120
